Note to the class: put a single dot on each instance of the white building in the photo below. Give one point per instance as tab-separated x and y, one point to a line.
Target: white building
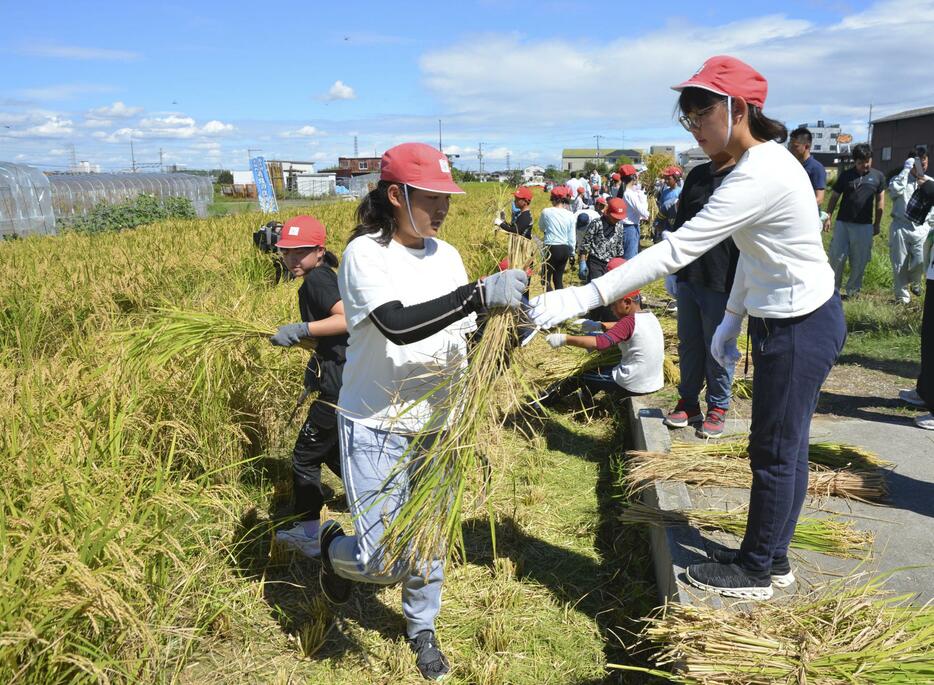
824	137
691	157
533	173
663	150
85	167
316	185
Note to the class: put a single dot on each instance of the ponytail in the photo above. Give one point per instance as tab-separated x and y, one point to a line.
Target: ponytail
375	215
763	128
330	259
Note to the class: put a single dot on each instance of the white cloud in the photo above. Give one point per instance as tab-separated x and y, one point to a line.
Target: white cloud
117	110
340	91
97	123
215	127
49	49
303	132
170	126
52	127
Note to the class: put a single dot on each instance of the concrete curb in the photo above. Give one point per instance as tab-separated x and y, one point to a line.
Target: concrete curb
673	548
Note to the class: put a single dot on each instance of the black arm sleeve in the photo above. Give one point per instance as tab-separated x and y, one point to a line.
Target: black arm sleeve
404	325
523	225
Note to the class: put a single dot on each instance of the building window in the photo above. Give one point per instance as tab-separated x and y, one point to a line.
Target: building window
886	154
833	135
361	166
833	148
569	166
817	148
818	135
345	164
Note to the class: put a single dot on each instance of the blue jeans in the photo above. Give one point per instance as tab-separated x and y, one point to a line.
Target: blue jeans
376	490
792	358
700	311
630	241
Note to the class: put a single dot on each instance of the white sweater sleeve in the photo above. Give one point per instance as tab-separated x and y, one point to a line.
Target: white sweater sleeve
736	204
737	301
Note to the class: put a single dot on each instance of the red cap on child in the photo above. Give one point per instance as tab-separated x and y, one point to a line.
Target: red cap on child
628	170
523	193
725	75
420	166
617	208
302	231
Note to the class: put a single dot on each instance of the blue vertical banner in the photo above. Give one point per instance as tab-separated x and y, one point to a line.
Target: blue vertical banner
265	192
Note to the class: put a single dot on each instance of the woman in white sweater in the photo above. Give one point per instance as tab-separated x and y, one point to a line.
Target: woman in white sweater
785	284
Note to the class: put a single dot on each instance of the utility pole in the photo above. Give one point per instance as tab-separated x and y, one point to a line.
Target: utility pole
161	166
440	147
74	158
480	157
356	149
132	156
598	137
869	127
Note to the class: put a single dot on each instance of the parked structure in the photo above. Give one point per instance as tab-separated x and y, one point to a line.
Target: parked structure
663	150
824	138
355	166
575	159
895	137
691	157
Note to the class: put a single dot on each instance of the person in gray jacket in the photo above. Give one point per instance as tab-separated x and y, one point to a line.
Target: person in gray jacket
906	239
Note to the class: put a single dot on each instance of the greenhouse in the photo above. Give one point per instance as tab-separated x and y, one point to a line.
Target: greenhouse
31	202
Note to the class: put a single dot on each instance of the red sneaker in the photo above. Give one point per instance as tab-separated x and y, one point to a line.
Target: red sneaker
683	414
714	423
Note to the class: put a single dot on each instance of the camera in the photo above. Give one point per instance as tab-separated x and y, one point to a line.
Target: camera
266	237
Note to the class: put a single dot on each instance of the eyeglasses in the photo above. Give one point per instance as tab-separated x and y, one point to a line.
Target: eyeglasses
692	122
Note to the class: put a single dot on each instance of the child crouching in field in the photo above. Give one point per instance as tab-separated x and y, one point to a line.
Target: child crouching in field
322	311
642	352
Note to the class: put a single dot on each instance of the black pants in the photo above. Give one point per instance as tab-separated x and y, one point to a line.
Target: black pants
317	444
792	358
595	269
925	386
553	268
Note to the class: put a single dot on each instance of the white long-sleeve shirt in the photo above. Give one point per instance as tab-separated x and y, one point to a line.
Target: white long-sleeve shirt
766	204
637	205
901	188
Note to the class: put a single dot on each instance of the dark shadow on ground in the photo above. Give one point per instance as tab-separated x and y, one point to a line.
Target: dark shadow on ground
859	407
895	367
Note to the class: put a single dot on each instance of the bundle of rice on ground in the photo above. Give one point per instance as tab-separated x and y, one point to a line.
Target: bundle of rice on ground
843	633
827	535
833	455
706	469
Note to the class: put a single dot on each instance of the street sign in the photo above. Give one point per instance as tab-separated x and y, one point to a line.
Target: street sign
844	138
265	192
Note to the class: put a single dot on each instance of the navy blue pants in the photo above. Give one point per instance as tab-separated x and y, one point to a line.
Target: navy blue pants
792	359
925	386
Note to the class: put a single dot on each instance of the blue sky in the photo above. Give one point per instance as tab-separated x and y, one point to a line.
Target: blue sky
206	82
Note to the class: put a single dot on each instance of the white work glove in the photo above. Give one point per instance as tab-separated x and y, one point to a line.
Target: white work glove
505	289
557	306
909	163
556	340
589	325
671	285
723	345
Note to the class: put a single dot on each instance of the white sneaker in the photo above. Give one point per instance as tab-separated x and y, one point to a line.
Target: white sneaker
911	397
297	538
926	422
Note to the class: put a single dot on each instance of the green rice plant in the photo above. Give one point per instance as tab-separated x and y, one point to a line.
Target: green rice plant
828	535
851	631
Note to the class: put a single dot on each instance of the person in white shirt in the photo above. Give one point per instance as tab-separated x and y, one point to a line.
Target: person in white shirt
783	281
559	237
906	239
637	209
409	309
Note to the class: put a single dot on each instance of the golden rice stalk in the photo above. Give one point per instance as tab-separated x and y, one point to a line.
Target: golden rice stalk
428	525
833	455
848	631
829	535
643	468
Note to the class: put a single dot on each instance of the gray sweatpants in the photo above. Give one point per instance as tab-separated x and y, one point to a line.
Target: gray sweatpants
376	491
853	241
906	248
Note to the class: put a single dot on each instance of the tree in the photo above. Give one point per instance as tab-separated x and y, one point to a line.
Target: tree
600	167
225	177
553	173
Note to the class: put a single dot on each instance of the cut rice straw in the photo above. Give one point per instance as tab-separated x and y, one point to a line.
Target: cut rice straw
643	468
849	631
825	535
833	455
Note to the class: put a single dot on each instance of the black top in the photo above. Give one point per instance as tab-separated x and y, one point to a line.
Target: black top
316	297
858	194
715	268
522	226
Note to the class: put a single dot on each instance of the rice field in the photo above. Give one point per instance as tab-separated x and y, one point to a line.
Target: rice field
142	486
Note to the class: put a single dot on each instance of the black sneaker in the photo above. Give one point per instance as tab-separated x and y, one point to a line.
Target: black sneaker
432	664
781	574
335	589
729	580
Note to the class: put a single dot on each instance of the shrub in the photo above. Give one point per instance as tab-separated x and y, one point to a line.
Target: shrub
143	209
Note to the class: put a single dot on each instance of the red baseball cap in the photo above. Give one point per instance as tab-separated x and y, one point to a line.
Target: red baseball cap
560	191
600	200
628	170
615	177
725	75
672	171
302	231
619	261
616	208
523	193
580	190
419	166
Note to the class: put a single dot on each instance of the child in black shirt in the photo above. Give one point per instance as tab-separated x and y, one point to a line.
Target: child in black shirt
319	301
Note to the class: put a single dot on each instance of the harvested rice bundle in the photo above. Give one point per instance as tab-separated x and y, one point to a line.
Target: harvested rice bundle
428	525
642	468
834	455
826	535
846	632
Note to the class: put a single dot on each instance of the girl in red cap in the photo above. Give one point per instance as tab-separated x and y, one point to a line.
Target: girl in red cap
783	281
301	245
410	309
559	237
637	209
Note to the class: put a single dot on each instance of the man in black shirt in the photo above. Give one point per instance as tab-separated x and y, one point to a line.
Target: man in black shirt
702	289
862	189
